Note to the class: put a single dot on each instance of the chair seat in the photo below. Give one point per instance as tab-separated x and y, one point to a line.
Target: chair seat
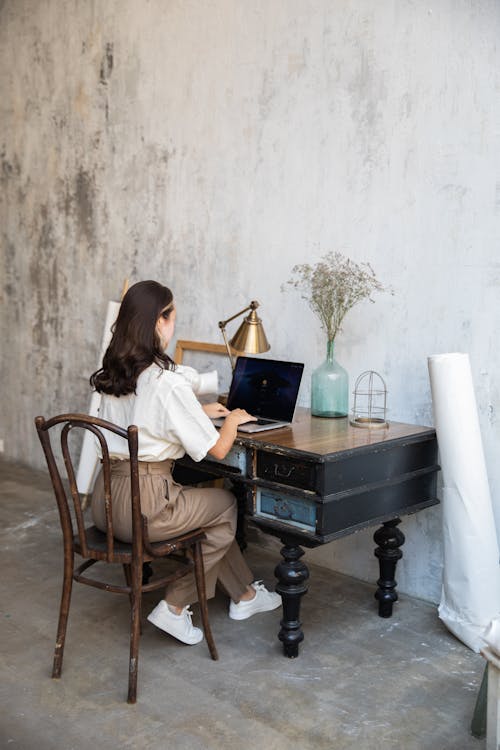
97	546
122	551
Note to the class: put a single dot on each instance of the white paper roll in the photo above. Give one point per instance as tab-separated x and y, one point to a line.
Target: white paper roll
492	636
209	383
201	382
471	575
111	316
89	461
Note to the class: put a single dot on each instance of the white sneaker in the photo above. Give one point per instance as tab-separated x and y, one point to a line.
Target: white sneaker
180	626
263	601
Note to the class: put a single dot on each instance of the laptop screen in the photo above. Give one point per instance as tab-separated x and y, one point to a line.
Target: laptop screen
265	387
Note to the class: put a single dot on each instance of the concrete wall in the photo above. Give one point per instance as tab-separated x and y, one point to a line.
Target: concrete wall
212	144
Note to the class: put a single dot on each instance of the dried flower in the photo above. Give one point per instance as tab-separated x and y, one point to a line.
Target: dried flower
333	286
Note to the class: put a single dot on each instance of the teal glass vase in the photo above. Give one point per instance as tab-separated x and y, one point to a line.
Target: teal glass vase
330	388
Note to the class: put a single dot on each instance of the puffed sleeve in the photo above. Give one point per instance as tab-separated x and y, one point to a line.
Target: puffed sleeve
185	422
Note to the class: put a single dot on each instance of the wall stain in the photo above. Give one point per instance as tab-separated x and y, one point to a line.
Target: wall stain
267	94
44	282
78	201
12	279
9	167
106	64
49	286
106	69
84	196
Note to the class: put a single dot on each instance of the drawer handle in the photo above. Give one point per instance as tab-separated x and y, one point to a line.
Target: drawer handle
282	471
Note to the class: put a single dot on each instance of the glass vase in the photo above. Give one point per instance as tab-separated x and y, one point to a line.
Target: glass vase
330	388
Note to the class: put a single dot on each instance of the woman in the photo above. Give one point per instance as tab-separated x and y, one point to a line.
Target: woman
141	385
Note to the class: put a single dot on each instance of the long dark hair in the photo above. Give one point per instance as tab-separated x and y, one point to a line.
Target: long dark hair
135	343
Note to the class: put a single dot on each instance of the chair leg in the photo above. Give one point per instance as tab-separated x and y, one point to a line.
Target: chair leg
135	626
63	616
199	575
127	569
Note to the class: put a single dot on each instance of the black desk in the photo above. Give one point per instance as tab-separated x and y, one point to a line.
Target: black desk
322	479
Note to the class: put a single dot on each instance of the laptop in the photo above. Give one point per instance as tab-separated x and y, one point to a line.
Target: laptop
267	389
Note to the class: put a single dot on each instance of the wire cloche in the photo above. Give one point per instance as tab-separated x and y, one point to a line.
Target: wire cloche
370	401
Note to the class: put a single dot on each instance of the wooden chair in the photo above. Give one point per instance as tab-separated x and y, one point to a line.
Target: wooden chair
96	546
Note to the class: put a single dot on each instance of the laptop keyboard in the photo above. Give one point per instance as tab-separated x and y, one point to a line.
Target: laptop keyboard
260	420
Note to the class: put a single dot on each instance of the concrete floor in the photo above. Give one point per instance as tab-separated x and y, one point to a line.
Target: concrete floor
360	681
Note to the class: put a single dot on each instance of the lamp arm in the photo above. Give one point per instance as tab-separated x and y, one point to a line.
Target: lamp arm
229	353
223	323
252	306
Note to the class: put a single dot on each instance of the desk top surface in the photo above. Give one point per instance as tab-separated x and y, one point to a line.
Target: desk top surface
323	437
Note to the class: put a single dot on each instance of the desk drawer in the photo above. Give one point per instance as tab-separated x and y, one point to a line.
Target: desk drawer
284	470
294	511
236	458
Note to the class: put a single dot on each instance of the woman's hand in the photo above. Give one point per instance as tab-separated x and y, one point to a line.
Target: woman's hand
215	410
228	432
240	416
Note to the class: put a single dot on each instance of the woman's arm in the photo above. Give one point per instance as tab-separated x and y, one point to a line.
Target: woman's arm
228	431
215	410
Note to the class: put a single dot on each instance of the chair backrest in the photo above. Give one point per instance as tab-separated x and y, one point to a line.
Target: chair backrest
96	426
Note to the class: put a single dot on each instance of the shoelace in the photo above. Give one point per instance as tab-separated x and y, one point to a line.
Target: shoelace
258	586
189	614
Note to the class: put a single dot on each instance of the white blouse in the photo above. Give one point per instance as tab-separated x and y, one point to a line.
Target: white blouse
170	418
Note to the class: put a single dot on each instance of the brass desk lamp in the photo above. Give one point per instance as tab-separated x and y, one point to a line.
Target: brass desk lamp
249	337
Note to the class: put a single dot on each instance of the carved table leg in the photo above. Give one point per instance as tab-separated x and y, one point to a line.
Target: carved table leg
389	539
292	575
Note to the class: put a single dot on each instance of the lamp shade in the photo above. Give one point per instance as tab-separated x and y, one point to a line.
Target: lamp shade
250	336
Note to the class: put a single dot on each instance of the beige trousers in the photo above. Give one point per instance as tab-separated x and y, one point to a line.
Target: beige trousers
171	510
